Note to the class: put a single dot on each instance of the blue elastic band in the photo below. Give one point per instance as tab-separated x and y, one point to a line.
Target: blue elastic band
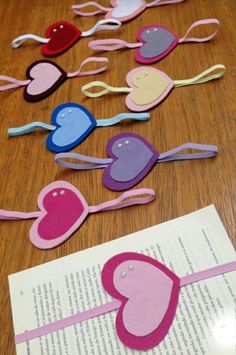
18	131
123	116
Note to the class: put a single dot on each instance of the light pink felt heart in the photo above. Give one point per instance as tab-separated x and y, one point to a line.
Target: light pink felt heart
150	86
63	210
125	10
46	77
149	294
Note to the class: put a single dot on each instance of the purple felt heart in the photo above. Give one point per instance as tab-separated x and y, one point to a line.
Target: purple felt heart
133	158
158	41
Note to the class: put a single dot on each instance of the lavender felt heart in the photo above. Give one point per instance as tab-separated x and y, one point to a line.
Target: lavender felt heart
73	123
158	41
133	157
46	77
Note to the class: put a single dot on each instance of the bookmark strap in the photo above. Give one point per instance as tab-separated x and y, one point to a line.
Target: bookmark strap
121	117
100	84
128	198
18	131
15	83
208	151
200	23
111	44
94	163
17	42
203	77
13	215
107	24
90	72
101	9
67	322
206	274
162	2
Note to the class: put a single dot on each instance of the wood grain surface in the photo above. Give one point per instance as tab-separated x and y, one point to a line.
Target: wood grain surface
202	114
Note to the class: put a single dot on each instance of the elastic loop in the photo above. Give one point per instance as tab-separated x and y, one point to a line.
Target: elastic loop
101	9
209	151
200	23
128	198
17	42
13	215
121	117
161	2
18	131
90	72
94	163
111	44
15	83
203	77
107	89
108	24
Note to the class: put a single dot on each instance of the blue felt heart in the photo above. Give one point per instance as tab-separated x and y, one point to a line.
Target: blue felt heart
73	123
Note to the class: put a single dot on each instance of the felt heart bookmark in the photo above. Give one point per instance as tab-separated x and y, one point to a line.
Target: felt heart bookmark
44	77
63	209
71	124
145	295
123	10
148	86
131	158
62	35
155	41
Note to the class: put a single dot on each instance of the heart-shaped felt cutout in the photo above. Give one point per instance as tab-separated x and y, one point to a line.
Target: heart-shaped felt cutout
158	41
63	210
149	294
46	77
73	124
62	35
133	158
125	10
150	86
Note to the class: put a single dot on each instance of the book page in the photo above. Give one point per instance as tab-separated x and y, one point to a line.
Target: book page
205	321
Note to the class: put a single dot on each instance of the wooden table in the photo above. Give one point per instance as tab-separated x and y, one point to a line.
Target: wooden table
201	113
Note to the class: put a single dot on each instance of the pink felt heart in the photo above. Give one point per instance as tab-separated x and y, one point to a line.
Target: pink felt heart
63	210
62	35
125	10
149	294
46	77
150	86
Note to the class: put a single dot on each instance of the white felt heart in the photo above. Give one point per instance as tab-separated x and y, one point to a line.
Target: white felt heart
126	9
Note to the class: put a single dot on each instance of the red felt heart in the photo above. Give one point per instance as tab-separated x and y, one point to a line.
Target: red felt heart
62	35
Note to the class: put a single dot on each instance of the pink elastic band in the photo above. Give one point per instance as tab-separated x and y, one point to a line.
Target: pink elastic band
12	215
101	8
199	23
111	44
128	198
66	322
90	72
161	2
15	83
206	274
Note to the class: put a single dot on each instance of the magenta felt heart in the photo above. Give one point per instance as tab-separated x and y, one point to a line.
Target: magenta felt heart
62	35
149	294
46	77
63	211
158	41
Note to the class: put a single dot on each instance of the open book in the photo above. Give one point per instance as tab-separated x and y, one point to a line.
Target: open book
205	322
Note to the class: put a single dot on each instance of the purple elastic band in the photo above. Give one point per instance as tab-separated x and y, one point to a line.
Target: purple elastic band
209	151
115	304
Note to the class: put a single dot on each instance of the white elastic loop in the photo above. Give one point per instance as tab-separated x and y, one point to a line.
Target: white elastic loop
17	42
108	24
